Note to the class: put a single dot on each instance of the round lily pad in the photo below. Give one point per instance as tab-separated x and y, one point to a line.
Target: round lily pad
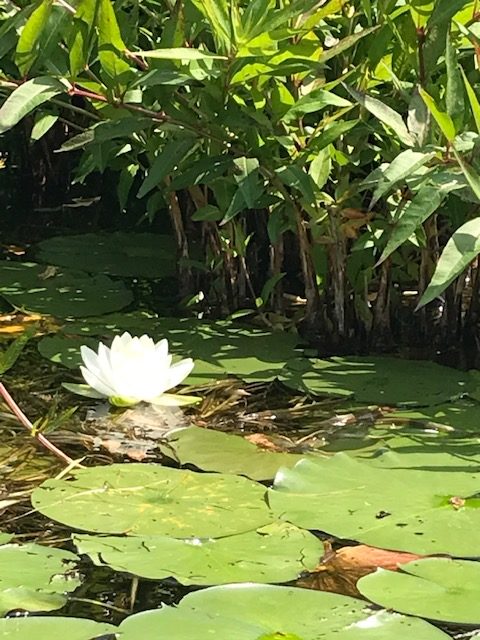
60	292
226	453
147	499
53	628
218	348
120	253
437	588
278	552
251	612
35	578
382	380
392	507
5	537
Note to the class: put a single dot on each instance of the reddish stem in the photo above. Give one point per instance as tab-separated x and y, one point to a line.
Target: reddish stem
22	418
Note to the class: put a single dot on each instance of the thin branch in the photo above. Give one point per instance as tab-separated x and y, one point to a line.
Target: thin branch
22	418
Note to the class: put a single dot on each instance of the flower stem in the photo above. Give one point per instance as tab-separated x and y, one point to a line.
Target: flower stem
22	418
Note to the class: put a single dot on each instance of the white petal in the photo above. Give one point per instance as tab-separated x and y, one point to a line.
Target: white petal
178	372
104	362
96	383
147	342
161	348
90	358
119	343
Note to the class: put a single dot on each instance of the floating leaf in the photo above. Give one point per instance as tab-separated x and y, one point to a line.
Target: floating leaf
276	553
145	255
437	588
251	611
147	499
226	453
383	380
218	348
60	292
393	507
35	578
53	629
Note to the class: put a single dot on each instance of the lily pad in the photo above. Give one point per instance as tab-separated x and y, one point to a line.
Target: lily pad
462	415
392	507
145	255
147	499
62	293
278	552
35	578
251	612
53	628
5	537
437	588
382	380
226	453
218	348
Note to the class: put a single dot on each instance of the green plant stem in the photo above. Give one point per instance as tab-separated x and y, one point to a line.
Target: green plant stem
22	418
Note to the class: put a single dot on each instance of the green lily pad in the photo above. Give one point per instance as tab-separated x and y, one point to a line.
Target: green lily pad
147	499
278	552
62	293
121	253
5	537
35	578
52	628
251	612
226	453
392	507
436	588
218	348
462	415
382	380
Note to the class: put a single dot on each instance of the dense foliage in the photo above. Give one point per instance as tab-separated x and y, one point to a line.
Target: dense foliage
325	149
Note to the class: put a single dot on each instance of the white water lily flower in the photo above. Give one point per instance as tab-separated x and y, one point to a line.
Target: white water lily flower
134	370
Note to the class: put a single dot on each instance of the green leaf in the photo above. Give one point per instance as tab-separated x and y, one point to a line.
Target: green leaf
385	114
120	253
247	178
34	578
110	43
42	125
472	97
225	453
443	119
346	43
28	47
380	380
25	98
454	97
450	589
84	22
175	400
384	502
180	53
414	213
218	14
460	250
278	552
14	349
403	166
167	159
254	612
53	628
148	499
63	293
82	390
314	101
470	174
444	10
331	134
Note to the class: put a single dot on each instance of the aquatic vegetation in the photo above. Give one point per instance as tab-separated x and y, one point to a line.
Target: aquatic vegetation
134	369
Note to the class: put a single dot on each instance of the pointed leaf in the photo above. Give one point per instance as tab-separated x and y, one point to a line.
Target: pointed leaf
179	53
171	154
443	120
460	250
26	98
28	43
385	114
